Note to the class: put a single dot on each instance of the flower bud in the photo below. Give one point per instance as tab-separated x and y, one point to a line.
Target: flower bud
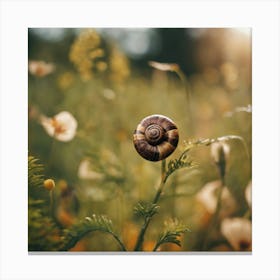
220	152
49	184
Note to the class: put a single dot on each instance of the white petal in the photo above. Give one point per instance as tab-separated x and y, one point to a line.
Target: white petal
237	230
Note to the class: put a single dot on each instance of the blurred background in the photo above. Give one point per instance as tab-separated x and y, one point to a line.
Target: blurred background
87	91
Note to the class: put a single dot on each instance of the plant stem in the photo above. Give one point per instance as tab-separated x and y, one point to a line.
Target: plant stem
52	205
119	241
187	87
75	240
215	216
140	238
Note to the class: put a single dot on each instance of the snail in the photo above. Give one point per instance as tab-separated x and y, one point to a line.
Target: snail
156	137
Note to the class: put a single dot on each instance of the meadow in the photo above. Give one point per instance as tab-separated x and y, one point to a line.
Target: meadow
90	190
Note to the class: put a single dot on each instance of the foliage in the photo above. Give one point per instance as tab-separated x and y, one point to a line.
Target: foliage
176	164
146	209
173	230
89	224
108	95
43	234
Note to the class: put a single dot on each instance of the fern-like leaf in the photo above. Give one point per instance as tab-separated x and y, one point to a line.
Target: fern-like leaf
146	209
182	162
89	224
43	234
35	169
171	234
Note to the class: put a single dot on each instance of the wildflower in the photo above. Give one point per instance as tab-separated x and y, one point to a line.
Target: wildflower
109	94
49	184
164	66
220	153
238	232
248	194
207	196
86	52
65	80
119	66
62	126
40	68
230	75
85	171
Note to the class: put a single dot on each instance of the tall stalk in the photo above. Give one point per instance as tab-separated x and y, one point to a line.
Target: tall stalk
144	227
187	89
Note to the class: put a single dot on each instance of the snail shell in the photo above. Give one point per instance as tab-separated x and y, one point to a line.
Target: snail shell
156	137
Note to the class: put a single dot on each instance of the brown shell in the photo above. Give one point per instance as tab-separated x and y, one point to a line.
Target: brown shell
156	137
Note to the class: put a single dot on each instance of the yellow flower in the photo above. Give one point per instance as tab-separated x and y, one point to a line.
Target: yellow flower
119	66
65	80
62	126
238	232
49	184
40	68
85	53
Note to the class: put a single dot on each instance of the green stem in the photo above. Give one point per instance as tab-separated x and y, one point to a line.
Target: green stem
75	240
52	204
51	153
119	241
144	227
187	88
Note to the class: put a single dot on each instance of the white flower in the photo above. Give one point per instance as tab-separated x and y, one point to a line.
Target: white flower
248	193
164	66
219	151
85	171
109	94
62	126
238	232
40	68
208	197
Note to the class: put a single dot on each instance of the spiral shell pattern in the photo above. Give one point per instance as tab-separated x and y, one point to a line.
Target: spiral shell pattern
156	137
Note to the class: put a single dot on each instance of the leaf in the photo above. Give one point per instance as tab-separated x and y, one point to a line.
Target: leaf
175	164
146	209
42	230
173	230
35	169
87	225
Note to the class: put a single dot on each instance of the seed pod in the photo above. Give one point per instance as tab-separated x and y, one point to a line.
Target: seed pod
156	137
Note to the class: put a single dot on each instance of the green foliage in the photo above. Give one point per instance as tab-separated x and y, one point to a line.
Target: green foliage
107	113
176	164
87	225
173	230
35	176
43	234
146	209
